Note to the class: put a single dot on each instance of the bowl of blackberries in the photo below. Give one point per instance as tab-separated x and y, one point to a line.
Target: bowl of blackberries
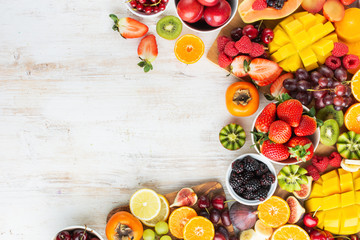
77	233
251	179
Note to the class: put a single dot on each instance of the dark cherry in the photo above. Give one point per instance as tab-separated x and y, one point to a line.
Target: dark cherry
204	202
80	235
221	229
204	214
64	235
215	216
219	236
267	35
218	202
225	218
250	31
236	34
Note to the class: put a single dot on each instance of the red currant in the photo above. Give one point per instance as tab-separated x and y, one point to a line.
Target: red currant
133	4
250	31
148	10
164	1
139	7
142	1
162	7
156	9
267	35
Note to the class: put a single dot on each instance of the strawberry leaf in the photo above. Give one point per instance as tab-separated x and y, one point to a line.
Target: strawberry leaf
116	20
299	152
146	65
247	66
269	97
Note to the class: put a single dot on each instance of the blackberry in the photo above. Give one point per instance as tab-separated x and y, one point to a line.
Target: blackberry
248	195
250	164
239	190
261	194
252	185
262	169
234	182
246	176
267	179
238	166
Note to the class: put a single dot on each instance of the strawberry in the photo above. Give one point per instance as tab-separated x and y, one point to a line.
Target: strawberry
264	71
290	111
239	66
230	49
313	172
244	45
266	117
307	126
335	159
277	87
147	51
301	148
223	60
320	163
257	50
340	49
279	132
128	27
274	151
221	42
259	5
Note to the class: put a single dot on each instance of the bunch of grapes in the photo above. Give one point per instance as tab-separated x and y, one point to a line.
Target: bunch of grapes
326	86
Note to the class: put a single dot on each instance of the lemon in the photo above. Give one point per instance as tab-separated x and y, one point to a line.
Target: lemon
145	204
163	214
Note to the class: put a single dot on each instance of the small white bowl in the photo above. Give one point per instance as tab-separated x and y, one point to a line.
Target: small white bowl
71	228
315	139
243	200
142	14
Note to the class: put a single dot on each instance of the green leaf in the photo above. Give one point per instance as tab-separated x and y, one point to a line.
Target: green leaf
319	122
247	65
115	28
311	112
141	64
114	18
269	97
147	68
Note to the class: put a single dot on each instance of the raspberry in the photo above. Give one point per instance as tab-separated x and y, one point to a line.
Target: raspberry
320	163
224	61
313	172
340	49
259	5
244	45
351	61
221	42
257	50
230	49
335	159
333	62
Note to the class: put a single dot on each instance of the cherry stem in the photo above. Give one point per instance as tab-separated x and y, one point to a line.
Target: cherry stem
316	211
260	25
82	237
324	89
232	200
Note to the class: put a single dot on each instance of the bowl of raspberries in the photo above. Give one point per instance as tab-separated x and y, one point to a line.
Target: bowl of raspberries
251	179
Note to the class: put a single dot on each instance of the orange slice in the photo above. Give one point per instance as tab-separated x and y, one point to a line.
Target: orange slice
178	219
189	48
274	212
352	118
199	228
355	85
289	232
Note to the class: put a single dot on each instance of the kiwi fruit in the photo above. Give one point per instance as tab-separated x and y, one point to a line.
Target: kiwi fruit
291	177
232	136
329	112
329	132
169	27
348	145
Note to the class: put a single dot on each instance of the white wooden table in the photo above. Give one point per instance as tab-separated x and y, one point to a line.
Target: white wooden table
83	127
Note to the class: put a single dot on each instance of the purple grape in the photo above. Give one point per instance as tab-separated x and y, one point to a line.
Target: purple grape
340	90
338	101
341	74
215	216
303	85
347	102
236	34
315	76
330	83
301	74
338	108
336	83
326	71
290	84
293	94
347	91
318	93
323	82
302	97
319	103
328	99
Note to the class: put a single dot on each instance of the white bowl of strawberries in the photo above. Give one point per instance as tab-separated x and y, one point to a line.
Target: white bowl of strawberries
286	132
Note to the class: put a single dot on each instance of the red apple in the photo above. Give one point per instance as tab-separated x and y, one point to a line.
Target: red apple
190	10
217	15
313	6
333	10
208	3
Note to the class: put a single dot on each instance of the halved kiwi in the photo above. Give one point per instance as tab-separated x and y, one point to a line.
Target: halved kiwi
232	136
329	132
291	177
348	145
169	27
329	112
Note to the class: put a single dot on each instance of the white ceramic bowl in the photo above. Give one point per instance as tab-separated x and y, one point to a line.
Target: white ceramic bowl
142	14
315	138
71	228
202	27
243	200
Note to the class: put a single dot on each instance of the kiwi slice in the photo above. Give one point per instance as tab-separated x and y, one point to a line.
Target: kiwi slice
329	112
329	132
232	136
169	27
291	177
348	145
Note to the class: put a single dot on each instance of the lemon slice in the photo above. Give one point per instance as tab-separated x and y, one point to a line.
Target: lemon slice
163	214
349	167
145	204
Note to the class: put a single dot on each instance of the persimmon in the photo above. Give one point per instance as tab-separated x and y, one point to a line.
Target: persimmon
124	226
242	99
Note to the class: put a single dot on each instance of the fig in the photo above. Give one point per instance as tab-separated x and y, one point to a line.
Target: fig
296	210
305	190
243	217
185	197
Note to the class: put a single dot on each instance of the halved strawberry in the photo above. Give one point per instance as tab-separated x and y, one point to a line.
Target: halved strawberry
264	71
147	51
277	88
240	65
266	117
128	27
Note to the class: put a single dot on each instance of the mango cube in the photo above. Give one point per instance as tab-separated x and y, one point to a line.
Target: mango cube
356	174
316	31
342	171
299	14
328	175
308	57
320	181
293	27
311	66
294	63
301	40
328	28
321	216
316	191
308	20
349	220
286	21
331	186
283	52
322	58
332	220
346	182
320	18
323	47
280	37
331	202
284	64
273	47
314	204
332	36
357	184
347	199
357	197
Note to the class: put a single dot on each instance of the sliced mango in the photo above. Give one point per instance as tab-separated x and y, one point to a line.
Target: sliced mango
346	182
320	18
332	174
357	184
284	52
293	27
332	221
349	220
316	191
280	37
314	204
323	47
331	186
331	202
348	199
321	216
356	174
308	20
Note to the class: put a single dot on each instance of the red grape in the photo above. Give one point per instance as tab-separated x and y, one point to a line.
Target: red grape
347	102
319	103
290	84
338	101
323	82
293	94
215	216
303	85
340	90
236	34
341	74
223	231
318	93
338	108
219	236
302	97
330	82
328	99
204	214
347	91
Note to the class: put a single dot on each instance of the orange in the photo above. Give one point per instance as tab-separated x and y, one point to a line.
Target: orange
178	219
290	232
352	118
355	85
274	212
348	29
199	228
189	49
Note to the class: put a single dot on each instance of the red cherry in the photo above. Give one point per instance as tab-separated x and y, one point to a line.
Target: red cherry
204	202
218	202
267	35
148	10
316	235
162	7
139	7
310	221
250	31
142	1
133	4
156	9
354	237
